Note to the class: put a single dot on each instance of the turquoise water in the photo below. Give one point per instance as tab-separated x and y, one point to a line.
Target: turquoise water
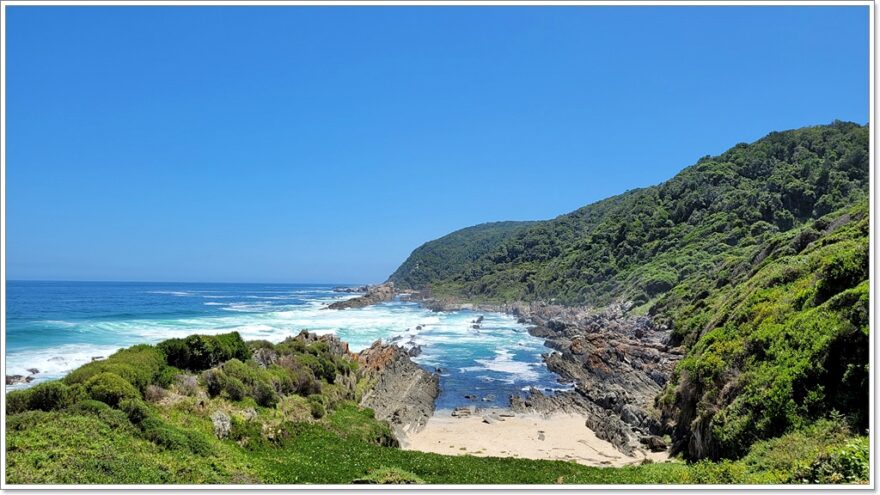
58	326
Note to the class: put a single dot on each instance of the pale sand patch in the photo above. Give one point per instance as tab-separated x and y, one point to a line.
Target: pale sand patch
565	438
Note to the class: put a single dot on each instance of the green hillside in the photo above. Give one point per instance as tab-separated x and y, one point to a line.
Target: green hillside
224	418
758	260
452	253
642	243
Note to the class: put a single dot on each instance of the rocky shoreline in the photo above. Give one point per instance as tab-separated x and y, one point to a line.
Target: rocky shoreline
617	362
374	294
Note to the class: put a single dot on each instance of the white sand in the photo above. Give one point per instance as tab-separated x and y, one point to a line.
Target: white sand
560	437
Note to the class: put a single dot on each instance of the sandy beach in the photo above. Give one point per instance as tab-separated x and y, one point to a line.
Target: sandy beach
560	437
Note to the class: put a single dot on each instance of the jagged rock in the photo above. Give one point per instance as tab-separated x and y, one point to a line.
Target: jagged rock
97	358
476	327
33	371
18	379
479	319
57	359
374	295
222	424
265	357
402	392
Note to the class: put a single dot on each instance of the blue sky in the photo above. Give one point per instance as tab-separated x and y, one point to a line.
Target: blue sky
294	144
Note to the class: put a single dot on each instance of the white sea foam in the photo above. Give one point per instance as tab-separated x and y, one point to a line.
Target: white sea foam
54	362
179	293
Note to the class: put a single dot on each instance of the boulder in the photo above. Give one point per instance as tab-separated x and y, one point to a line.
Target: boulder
18	379
222	424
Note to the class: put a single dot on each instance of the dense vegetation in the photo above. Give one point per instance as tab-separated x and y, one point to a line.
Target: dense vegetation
441	258
99	427
642	243
758	260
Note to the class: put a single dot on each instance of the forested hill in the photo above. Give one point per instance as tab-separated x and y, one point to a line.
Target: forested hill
756	258
639	245
447	256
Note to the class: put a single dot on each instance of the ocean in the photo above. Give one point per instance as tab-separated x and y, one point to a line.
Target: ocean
58	326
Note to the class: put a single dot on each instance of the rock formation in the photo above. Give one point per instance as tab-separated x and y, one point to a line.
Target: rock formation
400	391
375	294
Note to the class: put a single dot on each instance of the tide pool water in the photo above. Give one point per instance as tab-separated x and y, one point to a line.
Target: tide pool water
58	326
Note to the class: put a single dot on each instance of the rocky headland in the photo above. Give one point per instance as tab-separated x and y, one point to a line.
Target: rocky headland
374	294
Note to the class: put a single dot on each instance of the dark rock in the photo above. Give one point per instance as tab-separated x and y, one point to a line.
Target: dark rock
654	443
402	392
376	294
97	358
460	412
33	371
18	379
470	397
475	326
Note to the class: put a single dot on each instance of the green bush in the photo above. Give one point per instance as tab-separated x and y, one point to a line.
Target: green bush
316	403
110	389
200	352
47	396
167	376
18	401
172	437
136	410
848	464
139	365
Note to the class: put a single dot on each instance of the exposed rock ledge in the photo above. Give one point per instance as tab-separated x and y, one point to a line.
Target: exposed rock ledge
400	391
375	294
617	362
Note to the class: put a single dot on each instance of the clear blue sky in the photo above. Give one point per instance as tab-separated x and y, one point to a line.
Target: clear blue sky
325	144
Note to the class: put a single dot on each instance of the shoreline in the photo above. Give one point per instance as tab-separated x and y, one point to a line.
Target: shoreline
505	433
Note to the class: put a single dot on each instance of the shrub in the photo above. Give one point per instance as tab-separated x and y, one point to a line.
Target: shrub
18	401
849	464
187	384
154	393
264	394
200	352
171	437
49	396
316	403
136	410
168	376
139	365
110	389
